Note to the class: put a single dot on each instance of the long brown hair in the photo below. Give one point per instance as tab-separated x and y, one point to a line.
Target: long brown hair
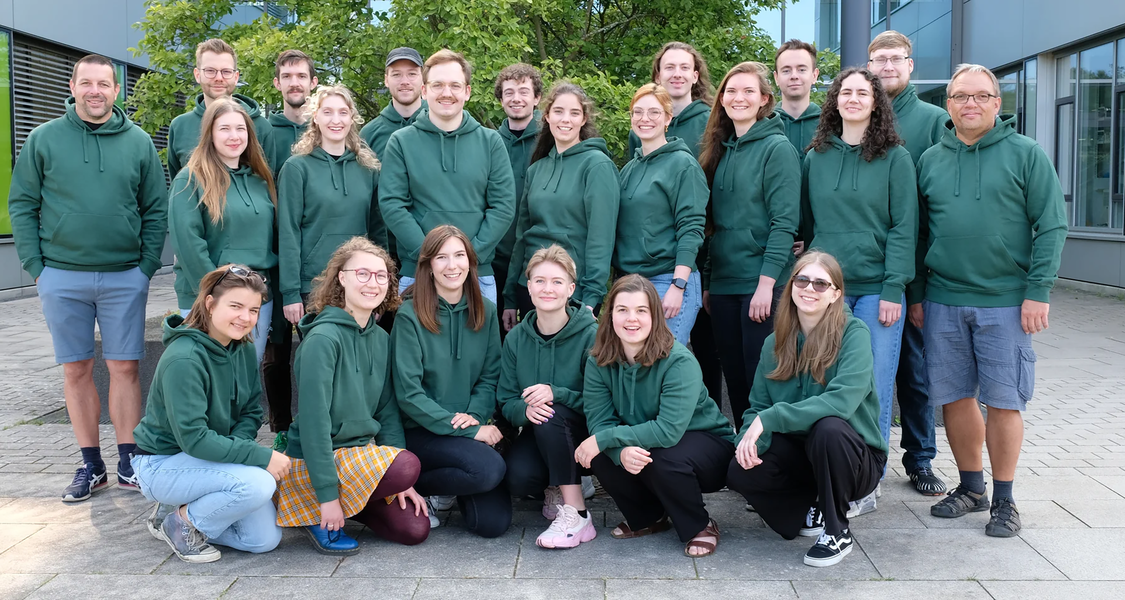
215	285
209	174
327	289
424	289
546	140
720	127
822	345
701	90
880	135
310	140
608	349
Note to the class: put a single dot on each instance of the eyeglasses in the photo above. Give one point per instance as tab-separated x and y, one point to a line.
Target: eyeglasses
210	73
238	271
818	285
437	87
978	98
654	114
364	276
894	60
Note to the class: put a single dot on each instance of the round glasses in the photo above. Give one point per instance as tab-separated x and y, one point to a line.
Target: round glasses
364	276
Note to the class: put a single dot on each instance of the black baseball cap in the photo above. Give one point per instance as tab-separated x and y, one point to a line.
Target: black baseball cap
404	53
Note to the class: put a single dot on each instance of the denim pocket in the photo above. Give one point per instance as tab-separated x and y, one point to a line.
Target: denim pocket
1027	374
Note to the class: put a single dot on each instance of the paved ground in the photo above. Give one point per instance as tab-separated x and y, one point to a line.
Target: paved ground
1070	489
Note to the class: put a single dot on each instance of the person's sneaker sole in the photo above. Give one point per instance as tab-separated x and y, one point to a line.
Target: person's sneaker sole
828	562
811	531
999	532
128	483
586	534
194	559
94	488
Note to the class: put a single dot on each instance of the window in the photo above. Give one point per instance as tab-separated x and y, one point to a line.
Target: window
1065	86
5	132
1094	125
1030	103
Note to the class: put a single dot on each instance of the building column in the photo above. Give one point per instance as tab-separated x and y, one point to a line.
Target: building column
855	32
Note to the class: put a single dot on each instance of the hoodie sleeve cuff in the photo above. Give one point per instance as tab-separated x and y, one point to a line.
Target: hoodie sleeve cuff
1038	293
290	297
35	269
892	293
327	493
149	268
771	270
688	258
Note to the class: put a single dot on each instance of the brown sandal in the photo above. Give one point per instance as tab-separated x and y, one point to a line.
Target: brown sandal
711	530
627	534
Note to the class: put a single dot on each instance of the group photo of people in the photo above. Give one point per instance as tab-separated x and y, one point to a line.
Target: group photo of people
469	317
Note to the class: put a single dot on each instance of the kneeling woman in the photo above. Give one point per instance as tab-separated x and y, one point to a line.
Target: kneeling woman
659	442
196	452
541	390
347	441
446	342
811	442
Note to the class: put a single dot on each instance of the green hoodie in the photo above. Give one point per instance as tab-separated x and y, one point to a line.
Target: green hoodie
559	362
106	212
993	220
283	134
183	133
570	199
663	211
205	400
756	206
688	126
453	371
461	178
649	407
322	202
344	394
379	130
245	235
801	130
520	148
863	213
795	405
919	124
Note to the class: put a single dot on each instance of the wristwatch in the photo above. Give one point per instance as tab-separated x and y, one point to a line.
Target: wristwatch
680	283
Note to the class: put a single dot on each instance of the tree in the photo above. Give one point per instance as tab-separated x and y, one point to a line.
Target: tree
604	46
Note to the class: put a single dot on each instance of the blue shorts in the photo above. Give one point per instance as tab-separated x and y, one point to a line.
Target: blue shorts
74	300
978	353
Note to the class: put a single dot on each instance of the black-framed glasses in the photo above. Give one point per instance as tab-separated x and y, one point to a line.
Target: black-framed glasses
894	60
978	98
210	73
238	271
818	285
364	276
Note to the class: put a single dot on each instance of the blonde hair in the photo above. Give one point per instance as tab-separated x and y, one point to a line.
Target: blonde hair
890	39
311	139
215	46
822	346
553	254
444	56
653	89
967	68
326	287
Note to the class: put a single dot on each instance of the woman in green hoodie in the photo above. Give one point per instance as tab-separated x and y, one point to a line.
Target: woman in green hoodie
811	443
327	193
570	199
221	209
446	346
663	204
346	442
859	202
658	441
197	456
755	179
541	390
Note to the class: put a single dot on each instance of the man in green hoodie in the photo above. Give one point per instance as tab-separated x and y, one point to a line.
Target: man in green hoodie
795	72
88	206
403	79
993	227
680	69
216	71
455	173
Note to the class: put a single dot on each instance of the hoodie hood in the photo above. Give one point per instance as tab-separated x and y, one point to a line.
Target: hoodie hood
848	154
335	164
763	128
905	99
555	159
278	120
332	315
1003	127
391	114
174	329
802	129
118	122
528	135
447	138
642	163
251	105
691	111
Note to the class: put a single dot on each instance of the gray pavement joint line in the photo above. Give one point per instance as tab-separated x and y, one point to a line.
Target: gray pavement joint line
19	541
1053	565
227	589
981	584
417	586
855	540
519	552
340	561
170	556
1079	519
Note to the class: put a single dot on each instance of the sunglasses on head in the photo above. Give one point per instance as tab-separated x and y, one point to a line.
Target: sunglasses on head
818	285
238	271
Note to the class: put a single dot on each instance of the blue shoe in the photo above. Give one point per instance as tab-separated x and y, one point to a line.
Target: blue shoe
333	543
126	478
87	480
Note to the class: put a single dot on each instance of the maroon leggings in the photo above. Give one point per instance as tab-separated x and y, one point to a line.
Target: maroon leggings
390	521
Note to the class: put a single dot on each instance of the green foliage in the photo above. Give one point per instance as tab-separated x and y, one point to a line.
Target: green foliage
829	64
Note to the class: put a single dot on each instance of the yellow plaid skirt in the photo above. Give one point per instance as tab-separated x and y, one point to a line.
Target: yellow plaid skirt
359	469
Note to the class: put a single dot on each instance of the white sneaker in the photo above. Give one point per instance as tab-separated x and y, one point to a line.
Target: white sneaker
864	505
588	490
444	502
552	499
431	507
567	530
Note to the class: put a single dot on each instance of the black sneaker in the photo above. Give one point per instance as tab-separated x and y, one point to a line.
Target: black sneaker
126	478
1005	521
926	482
959	503
829	549
87	480
814	523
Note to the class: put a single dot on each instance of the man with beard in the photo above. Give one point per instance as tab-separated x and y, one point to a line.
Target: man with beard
88	206
216	71
403	79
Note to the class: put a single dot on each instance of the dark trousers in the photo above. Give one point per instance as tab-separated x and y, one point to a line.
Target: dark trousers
543	455
826	468
739	341
915	412
468	469
673	483
277	378
390	521
500	271
707	355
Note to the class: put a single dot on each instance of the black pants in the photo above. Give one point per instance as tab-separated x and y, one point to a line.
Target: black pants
277	377
673	483
707	354
468	469
500	271
543	455
827	468
739	341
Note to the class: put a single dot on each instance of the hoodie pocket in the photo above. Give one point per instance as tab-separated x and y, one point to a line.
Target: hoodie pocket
351	430
975	262
321	252
95	239
467	221
860	256
735	251
1026	385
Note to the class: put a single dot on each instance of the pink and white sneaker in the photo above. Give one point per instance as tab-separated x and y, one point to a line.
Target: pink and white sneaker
552	499
567	530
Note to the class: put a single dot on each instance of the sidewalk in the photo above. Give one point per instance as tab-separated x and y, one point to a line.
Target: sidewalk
1070	489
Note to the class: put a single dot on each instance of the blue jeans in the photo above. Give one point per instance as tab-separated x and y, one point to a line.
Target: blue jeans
487	286
682	323
885	345
261	333
231	504
918	438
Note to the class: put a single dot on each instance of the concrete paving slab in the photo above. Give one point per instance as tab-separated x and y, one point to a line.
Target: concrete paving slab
1095	513
17	587
86	551
657	556
762	555
1034	514
336	588
890	514
618	589
104	508
35	485
1055	590
1089	554
896	555
1113	482
146	587
448	552
1061	488
10	535
891	590
294	556
510	589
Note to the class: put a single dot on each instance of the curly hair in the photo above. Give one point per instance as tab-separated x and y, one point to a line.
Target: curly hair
310	140
880	135
327	289
546	140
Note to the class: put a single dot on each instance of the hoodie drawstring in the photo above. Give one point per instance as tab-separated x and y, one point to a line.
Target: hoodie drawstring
243	190
456	138
101	155
957	180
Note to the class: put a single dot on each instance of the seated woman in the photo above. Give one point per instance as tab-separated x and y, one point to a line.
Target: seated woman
812	442
659	442
541	391
196	452
346	440
446	343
